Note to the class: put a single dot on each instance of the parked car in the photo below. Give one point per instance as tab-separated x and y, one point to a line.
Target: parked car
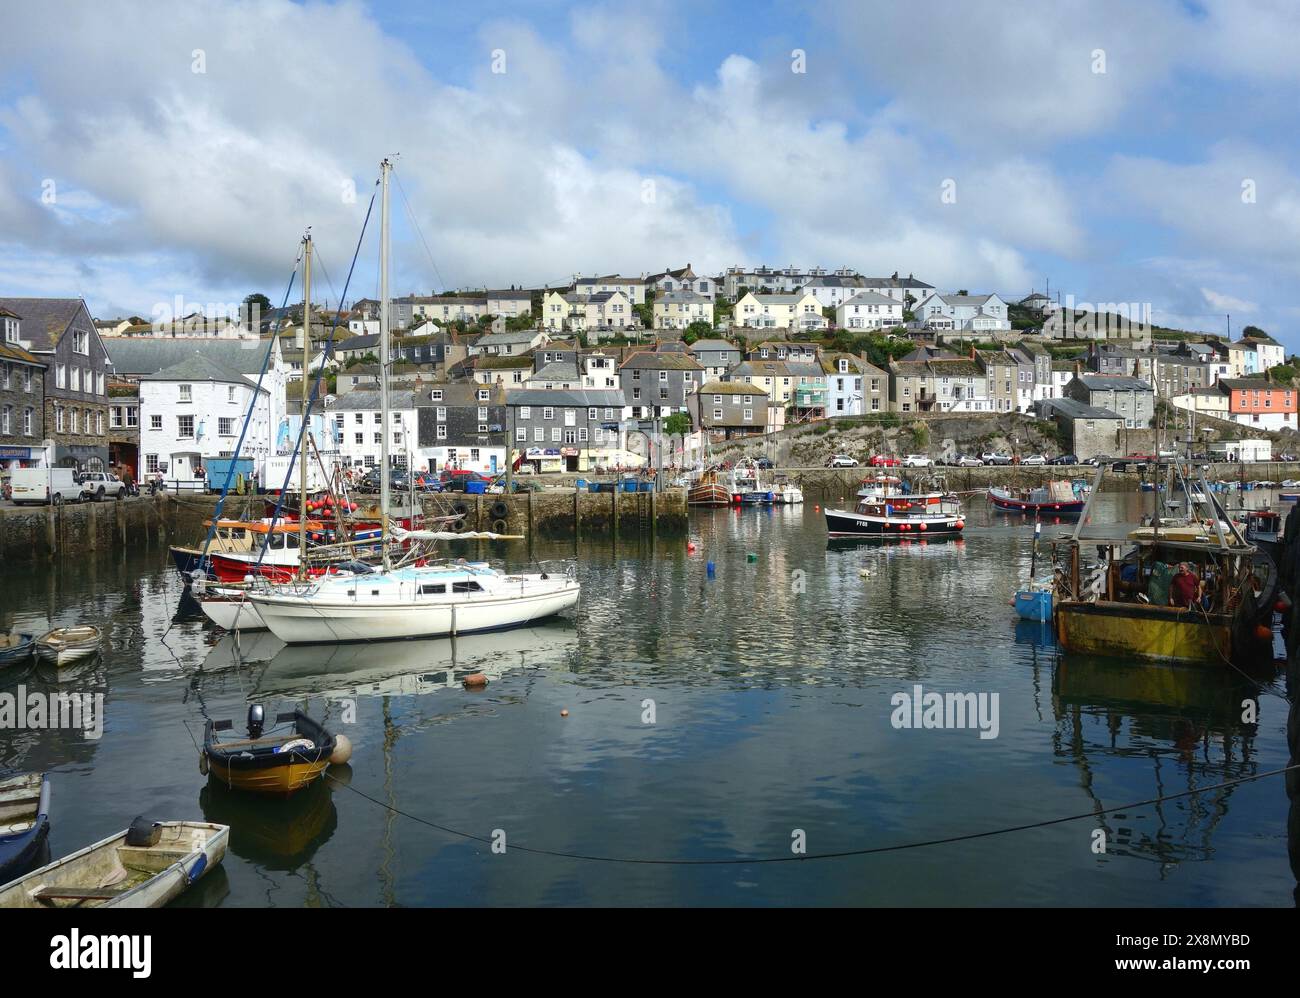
1034	460
841	461
369	482
1065	459
461	481
883	461
100	485
993	457
917	461
969	461
766	463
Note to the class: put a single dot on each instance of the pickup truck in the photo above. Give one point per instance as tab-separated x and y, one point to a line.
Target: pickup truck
99	485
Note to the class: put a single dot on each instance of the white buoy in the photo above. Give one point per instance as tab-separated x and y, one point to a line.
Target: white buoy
342	750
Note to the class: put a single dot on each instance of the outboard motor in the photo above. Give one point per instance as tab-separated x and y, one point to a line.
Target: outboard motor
256	720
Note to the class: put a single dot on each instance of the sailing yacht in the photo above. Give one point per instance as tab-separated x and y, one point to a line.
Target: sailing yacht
415	600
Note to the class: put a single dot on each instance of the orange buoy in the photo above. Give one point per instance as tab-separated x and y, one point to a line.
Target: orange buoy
1264	632
564	712
690	547
475	681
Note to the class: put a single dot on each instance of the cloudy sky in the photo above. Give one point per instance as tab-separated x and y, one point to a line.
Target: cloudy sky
1127	151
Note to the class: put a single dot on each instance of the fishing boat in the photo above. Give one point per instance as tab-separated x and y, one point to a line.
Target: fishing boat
144	866
708	491
1264	529
1115	589
746	488
67	645
418	598
894	514
786	493
881	485
282	760
16	649
24	822
1055	498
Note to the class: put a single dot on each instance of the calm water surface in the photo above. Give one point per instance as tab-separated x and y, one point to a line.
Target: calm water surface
771	685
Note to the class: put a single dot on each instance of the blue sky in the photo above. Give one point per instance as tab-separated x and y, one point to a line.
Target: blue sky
1130	152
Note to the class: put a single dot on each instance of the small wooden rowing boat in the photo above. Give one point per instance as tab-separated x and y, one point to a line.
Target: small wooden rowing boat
68	644
279	761
24	822
15	649
143	866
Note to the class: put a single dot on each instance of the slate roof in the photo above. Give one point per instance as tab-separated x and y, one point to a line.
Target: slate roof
1116	382
364	398
147	355
44	320
199	367
672	361
565	396
731	388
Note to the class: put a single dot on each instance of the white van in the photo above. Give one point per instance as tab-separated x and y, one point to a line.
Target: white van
45	485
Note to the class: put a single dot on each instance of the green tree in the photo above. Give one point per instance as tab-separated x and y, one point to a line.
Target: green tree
677	425
699	329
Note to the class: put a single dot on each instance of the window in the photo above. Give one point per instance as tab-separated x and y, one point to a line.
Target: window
442	431
482	413
483	395
379	418
435	395
225	426
81	342
359	438
434	590
749	415
663	375
27	379
5	417
466	587
548	413
5	373
591	415
717	413
99	424
539	434
379	438
74	421
230	393
151	462
555	434
115	416
61	376
521	434
185	426
27	421
155	422
525	412
440	414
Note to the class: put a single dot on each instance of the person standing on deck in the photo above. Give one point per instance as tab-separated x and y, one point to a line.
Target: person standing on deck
1185	588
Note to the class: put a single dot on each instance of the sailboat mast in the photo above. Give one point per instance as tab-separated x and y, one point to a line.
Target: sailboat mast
384	471
302	450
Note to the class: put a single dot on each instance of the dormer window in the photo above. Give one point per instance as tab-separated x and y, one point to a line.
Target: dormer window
435	395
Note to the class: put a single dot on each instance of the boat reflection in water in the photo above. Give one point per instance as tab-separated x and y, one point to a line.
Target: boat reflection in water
406	668
938	544
1162	730
277	834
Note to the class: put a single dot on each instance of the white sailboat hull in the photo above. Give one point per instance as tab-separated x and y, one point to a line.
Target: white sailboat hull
312	618
232	614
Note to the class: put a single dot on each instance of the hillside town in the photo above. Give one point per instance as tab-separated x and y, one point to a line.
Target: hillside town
574	379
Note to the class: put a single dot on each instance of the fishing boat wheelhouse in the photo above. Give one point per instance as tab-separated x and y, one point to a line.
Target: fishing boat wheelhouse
1121	591
746	486
888	512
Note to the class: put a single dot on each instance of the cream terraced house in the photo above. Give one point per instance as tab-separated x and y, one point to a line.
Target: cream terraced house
777	311
678	309
632	288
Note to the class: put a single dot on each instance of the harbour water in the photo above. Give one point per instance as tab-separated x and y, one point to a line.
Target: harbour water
709	719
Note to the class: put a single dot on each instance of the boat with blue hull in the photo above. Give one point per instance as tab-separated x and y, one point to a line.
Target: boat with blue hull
24	823
16	649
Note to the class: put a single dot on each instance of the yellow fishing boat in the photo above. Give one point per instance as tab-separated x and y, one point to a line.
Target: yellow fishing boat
1190	589
279	761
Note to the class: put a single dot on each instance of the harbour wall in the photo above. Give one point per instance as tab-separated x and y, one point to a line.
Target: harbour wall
32	533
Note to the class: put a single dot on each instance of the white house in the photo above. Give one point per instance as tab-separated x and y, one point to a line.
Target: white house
869	310
972	313
358	428
195	409
632	288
